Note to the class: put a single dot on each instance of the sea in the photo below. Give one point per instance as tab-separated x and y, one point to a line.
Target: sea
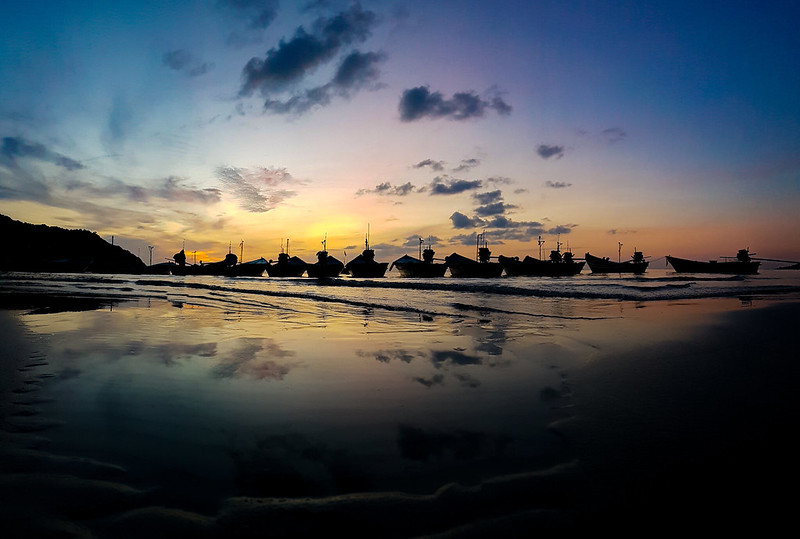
205	395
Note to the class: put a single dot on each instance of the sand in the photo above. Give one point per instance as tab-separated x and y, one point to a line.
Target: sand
683	431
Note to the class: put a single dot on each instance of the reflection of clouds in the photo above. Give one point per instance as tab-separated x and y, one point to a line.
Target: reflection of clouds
421	445
453	357
170	353
387	356
437	380
252	358
293	465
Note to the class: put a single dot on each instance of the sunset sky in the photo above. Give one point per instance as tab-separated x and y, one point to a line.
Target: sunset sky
672	126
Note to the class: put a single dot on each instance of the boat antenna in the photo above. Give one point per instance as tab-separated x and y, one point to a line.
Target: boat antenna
151	247
420	247
287	246
325	242
541	242
366	240
241	251
619	251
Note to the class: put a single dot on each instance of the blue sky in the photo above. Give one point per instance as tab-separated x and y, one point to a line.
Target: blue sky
670	125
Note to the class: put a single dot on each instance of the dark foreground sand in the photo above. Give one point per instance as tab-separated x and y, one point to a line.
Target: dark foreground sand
686	434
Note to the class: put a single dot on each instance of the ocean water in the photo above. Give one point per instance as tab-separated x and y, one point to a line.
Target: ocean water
203	389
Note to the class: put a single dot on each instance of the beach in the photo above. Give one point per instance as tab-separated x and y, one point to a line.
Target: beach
135	407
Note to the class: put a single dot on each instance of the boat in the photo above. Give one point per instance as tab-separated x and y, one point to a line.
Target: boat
424	266
325	266
254	268
461	266
558	265
286	266
220	268
637	264
364	265
743	265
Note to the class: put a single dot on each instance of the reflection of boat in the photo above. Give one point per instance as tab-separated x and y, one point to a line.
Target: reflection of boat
637	264
364	265
325	266
461	266
408	266
286	266
743	265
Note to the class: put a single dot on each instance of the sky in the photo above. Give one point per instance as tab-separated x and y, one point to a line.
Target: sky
670	127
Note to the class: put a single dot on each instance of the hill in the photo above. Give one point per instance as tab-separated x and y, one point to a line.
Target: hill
42	248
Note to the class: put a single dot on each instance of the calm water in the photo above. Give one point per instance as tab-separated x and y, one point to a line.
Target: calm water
207	387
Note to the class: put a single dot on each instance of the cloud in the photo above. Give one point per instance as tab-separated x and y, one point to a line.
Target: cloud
413	240
561	229
496	208
546	151
182	61
557	185
169	189
448	186
614	134
435	165
258	189
467	164
420	102
488	198
460	220
293	59
18	147
356	71
387	189
257	16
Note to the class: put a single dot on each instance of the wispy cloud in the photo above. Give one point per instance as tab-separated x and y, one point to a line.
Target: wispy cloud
489	197
467	164
387	189
184	62
418	103
18	147
255	17
614	134
435	165
257	189
557	185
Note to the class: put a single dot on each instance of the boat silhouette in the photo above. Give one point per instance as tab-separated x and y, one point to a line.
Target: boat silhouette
558	265
286	266
325	266
461	266
364	265
424	266
637	264
742	265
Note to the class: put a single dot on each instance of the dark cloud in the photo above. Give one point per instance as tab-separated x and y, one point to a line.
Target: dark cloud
293	59
561	229
489	197
436	380
14	147
420	102
258	190
387	189
460	220
356	71
182	61
614	134
546	151
557	185
496	208
435	165
450	186
467	164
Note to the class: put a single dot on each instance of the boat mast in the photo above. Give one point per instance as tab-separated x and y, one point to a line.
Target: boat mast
619	251
241	251
540	242
420	247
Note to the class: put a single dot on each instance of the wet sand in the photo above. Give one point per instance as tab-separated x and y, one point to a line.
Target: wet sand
670	418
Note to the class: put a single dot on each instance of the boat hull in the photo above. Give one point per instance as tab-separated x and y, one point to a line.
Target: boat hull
285	270
323	271
682	265
421	270
533	267
603	265
376	269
